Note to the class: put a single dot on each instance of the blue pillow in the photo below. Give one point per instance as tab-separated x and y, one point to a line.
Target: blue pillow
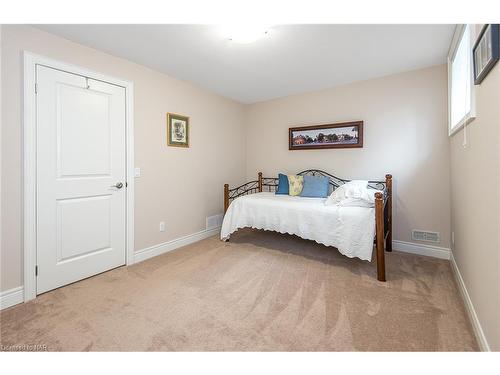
283	187
315	187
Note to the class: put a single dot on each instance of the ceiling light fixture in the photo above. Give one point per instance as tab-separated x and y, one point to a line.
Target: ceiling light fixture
244	34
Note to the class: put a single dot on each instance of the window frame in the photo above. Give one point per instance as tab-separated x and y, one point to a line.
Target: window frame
471	115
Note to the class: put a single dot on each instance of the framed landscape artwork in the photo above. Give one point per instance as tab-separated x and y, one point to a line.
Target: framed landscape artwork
177	130
486	52
339	135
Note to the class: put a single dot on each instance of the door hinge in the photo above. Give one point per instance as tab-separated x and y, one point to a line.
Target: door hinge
36	270
126	184
36	88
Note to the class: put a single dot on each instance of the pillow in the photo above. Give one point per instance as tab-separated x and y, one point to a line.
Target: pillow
357	189
315	187
356	202
282	184
295	184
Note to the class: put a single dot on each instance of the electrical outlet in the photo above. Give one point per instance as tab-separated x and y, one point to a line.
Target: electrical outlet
137	172
162	226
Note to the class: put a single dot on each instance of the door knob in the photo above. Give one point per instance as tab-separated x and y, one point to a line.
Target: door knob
118	185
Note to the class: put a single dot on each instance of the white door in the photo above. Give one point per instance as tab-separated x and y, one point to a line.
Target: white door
81	177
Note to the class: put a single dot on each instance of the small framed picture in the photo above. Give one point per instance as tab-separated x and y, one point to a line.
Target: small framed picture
339	135
486	51
177	130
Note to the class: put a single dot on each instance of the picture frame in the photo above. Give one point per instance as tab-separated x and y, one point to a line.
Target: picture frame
177	130
486	51
337	135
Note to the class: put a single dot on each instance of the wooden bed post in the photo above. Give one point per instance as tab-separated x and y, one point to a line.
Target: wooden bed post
379	228
226	197
260	182
388	183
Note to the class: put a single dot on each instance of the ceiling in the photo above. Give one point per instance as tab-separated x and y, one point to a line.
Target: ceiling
290	59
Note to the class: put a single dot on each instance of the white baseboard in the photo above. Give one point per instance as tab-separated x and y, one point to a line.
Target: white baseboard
420	249
165	247
476	325
11	297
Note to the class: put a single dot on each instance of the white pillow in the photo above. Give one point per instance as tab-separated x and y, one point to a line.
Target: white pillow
353	193
351	189
355	202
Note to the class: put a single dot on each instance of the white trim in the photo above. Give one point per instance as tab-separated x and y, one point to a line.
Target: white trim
11	297
130	225
165	247
421	249
469	117
29	129
476	325
29	153
462	123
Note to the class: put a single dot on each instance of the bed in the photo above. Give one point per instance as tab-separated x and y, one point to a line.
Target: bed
352	230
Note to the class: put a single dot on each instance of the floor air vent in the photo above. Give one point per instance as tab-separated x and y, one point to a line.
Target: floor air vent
420	235
214	221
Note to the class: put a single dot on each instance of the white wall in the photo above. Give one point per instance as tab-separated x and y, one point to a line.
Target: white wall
179	186
475	208
1	171
405	133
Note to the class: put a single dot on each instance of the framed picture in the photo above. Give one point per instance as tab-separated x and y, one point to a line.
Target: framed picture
486	51
339	135
177	130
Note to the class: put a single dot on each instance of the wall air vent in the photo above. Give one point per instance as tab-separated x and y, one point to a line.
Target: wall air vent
421	235
214	221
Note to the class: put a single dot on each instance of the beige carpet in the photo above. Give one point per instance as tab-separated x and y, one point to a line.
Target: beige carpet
261	292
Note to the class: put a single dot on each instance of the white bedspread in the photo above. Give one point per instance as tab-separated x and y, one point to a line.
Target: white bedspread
350	229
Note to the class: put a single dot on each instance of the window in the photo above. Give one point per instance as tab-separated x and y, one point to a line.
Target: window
460	82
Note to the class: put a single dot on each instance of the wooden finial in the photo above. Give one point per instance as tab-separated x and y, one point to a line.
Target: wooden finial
388	180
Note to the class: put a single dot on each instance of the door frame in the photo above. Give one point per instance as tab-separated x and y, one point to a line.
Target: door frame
31	60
